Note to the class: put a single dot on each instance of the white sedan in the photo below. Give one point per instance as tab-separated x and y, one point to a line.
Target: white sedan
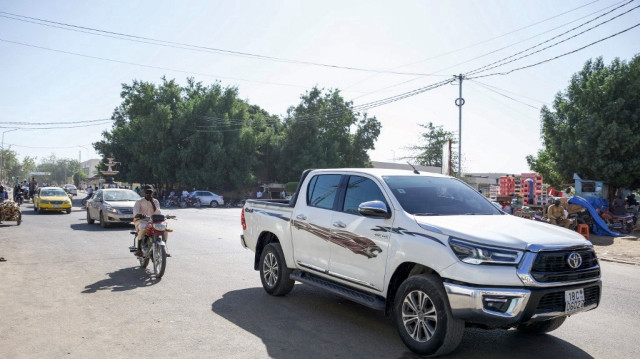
208	198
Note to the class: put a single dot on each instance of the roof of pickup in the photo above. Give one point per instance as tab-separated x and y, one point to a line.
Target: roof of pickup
378	172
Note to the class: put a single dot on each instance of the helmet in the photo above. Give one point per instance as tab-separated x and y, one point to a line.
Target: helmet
148	189
557	201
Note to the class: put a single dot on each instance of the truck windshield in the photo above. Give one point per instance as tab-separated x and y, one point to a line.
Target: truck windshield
438	196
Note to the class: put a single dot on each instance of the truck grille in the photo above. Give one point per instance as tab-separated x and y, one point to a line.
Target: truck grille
554	302
554	267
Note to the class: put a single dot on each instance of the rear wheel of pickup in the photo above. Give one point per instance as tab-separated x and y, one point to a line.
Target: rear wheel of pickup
423	317
542	327
274	273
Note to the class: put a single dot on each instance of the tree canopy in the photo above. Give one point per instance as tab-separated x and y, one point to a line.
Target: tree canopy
206	137
594	127
429	151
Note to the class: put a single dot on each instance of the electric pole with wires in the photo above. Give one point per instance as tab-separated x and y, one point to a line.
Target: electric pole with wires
459	103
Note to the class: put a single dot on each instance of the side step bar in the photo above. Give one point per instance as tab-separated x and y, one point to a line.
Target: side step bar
366	299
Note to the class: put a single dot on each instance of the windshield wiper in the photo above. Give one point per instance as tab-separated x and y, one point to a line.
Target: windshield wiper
426	214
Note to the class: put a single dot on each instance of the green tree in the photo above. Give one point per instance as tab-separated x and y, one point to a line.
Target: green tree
429	151
323	131
594	127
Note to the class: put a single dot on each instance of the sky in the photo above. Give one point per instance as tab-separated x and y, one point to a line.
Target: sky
57	68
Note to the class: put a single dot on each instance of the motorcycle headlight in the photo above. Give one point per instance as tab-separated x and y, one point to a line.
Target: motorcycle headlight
160	226
473	253
111	210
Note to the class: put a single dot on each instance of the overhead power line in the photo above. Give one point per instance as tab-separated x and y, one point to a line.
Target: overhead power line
507	96
556	57
52	123
502	62
185	46
57	127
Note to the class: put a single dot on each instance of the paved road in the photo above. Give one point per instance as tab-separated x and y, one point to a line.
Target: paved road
73	290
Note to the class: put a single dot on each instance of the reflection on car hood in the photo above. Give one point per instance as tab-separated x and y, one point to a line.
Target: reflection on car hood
54	198
121	204
503	230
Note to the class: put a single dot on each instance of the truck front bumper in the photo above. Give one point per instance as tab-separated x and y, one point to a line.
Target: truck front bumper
507	307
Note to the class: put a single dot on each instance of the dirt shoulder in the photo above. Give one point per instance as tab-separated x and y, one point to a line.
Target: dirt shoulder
618	249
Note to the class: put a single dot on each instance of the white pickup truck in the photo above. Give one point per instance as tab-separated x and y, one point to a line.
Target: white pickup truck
425	248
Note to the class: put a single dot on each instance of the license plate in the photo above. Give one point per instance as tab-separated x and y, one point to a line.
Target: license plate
574	300
57	206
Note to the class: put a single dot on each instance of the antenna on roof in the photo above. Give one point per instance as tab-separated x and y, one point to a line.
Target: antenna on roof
414	169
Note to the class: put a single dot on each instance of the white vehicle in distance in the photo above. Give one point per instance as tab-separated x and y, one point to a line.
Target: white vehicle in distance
70	189
208	198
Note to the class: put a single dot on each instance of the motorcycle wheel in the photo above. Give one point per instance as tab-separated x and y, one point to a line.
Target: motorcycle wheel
144	261
159	260
197	204
183	204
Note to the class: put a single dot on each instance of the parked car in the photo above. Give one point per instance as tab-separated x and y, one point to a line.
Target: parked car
424	248
208	198
111	205
51	199
70	189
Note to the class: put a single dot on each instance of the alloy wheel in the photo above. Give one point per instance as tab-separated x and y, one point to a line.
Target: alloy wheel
419	316
270	267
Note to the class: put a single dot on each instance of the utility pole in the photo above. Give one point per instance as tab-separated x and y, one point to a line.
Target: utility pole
2	160
459	103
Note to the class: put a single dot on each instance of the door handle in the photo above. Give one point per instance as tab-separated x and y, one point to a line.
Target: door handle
301	217
339	224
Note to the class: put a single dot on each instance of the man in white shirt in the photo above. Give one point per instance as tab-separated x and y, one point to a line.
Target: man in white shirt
259	194
142	211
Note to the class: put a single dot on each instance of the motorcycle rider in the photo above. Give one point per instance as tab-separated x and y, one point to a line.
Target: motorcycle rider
556	215
142	211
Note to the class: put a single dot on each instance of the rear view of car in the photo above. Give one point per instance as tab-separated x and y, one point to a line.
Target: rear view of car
71	189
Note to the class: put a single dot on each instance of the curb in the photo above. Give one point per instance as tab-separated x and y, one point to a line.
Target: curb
617	260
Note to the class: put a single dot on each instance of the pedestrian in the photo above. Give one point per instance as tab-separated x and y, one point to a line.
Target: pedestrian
259	194
283	195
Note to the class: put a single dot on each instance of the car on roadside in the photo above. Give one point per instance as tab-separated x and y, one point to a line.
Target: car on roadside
51	199
71	189
111	205
208	198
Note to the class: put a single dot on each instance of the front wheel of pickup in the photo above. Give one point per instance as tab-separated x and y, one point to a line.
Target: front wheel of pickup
274	273
542	327
423	317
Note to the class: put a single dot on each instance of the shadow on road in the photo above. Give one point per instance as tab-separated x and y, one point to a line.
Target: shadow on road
122	280
118	227
310	323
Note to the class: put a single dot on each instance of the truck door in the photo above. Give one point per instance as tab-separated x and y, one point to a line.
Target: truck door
359	248
311	222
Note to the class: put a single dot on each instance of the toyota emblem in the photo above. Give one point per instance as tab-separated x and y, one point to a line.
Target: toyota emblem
574	260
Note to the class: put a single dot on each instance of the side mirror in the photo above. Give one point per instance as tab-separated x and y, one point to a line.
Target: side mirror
374	209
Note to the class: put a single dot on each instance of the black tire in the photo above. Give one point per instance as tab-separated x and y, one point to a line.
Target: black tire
538	328
159	260
19	219
35	209
274	274
40	211
103	222
197	203
89	219
68	211
183	204
436	334
213	204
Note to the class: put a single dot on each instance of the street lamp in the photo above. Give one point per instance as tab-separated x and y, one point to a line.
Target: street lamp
2	160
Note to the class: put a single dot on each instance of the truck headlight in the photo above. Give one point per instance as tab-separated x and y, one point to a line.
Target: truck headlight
473	253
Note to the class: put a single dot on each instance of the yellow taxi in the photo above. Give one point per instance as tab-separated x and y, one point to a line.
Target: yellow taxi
51	199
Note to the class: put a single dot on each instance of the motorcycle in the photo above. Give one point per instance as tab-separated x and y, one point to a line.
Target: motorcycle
19	197
235	203
172	201
153	245
623	223
190	202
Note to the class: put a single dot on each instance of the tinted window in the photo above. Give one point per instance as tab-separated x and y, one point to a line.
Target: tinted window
322	190
433	196
361	189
